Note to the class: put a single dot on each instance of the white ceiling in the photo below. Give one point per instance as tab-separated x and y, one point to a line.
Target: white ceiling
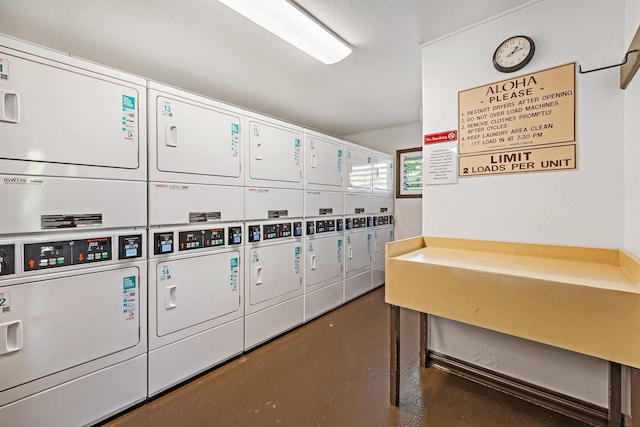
206	48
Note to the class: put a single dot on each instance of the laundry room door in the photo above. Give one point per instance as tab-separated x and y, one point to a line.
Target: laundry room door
323	164
275	271
59	323
53	113
197	289
323	263
197	139
275	155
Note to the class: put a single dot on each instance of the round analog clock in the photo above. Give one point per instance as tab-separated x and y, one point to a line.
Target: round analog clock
513	54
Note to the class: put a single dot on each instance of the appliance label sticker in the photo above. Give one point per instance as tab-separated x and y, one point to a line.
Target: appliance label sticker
296	152
339	250
195	217
165	272
129	117
129	300
5	302
19	180
234	274
54	222
339	161
166	109
297	259
235	139
4	69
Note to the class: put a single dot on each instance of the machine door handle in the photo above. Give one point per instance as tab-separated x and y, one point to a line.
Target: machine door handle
313	262
258	276
258	155
350	252
11	337
377	246
171	300
9	107
314	161
171	135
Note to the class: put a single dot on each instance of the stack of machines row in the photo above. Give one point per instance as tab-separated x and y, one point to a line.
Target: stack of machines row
149	234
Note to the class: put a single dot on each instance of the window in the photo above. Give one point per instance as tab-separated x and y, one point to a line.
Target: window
409	172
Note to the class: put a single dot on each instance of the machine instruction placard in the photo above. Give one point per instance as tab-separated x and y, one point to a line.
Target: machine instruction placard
523	124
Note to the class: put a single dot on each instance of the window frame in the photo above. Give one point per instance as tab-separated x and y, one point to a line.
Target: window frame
401	155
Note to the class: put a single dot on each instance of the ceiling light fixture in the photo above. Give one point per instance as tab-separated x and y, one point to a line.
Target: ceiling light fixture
291	24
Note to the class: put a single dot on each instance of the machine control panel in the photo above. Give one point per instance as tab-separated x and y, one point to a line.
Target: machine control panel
276	231
326	226
297	228
197	239
38	256
235	235
7	259
360	222
311	228
163	243
382	220
130	246
254	233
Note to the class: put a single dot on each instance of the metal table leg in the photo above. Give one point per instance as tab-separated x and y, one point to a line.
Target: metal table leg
615	394
634	416
395	355
424	345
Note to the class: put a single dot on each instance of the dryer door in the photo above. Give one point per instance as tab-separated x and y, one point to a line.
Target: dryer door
68	116
192	139
275	271
53	325
323	261
190	291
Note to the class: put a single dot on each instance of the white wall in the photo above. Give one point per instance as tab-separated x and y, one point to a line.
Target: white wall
407	212
583	207
632	140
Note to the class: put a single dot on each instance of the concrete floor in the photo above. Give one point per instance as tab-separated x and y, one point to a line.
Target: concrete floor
334	371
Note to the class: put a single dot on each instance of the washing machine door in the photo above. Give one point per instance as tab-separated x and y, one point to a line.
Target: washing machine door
57	324
274	153
323	164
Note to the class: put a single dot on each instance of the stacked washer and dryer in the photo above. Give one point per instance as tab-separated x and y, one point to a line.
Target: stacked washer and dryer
73	281
149	234
196	246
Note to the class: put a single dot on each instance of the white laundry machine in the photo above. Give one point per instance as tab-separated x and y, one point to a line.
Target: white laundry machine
65	117
382	172
358	275
382	234
323	252
73	182
359	169
323	164
193	139
73	326
196	214
274	263
195	300
274	154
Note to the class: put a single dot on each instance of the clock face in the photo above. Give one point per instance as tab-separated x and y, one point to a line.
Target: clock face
513	54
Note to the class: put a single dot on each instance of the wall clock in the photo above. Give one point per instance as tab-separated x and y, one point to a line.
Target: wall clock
513	54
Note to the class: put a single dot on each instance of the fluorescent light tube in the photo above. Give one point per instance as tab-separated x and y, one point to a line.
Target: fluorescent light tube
294	26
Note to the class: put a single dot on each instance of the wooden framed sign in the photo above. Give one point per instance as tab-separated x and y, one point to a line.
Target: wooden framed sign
523	124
